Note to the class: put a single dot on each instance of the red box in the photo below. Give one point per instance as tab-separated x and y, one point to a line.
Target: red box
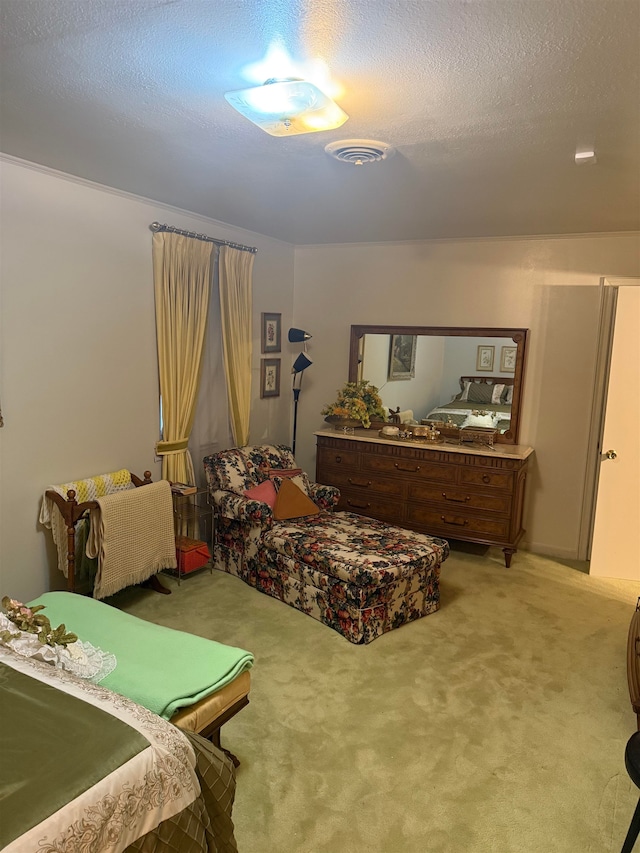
191	554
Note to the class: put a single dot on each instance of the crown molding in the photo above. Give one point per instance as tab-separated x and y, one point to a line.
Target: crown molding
251	236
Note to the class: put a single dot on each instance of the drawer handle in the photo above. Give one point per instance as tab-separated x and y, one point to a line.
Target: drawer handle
457	500
356	483
338	458
358	506
457	523
407	470
486	478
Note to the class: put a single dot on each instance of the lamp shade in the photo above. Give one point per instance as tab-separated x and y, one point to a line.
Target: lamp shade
301	363
298	336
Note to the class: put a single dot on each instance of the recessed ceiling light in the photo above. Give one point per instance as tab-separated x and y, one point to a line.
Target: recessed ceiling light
287	107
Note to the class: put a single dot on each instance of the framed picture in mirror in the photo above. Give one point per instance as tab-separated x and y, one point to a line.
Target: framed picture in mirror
402	357
485	357
508	359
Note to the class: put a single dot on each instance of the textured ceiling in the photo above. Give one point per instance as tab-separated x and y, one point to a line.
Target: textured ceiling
485	101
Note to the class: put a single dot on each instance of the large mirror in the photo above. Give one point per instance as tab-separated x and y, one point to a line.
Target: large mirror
459	376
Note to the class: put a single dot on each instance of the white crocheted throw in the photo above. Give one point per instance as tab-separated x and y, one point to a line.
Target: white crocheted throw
132	536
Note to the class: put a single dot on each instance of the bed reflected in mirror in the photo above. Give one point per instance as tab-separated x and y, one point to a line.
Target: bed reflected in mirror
462	377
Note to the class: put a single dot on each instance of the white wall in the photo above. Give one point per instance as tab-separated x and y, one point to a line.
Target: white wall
79	383
549	286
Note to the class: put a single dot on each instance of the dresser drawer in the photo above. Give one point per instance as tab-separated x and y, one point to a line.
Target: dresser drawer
363	483
458	499
458	524
409	468
371	506
487	478
330	458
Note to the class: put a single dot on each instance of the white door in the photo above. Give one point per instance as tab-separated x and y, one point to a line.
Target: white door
615	547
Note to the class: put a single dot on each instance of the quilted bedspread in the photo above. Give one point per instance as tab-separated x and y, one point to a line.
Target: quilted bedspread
86	769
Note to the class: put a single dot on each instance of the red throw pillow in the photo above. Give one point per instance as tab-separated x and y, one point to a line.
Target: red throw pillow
265	492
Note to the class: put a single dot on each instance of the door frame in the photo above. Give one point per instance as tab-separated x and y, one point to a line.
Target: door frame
609	287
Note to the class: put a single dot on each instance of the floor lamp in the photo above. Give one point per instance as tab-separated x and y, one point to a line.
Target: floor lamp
299	366
299	336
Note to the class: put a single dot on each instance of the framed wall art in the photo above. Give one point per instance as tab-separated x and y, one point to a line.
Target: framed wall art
484	360
271	332
402	357
508	359
270	377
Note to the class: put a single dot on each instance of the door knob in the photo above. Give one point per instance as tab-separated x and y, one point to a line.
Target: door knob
611	454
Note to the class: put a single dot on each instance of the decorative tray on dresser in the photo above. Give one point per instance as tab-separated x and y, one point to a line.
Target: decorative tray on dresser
471	493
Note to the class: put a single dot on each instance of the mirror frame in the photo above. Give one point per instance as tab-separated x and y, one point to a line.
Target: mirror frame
518	336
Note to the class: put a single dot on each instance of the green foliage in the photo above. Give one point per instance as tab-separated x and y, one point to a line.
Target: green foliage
358	400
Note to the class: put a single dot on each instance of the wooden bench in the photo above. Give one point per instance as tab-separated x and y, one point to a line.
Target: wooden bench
197	684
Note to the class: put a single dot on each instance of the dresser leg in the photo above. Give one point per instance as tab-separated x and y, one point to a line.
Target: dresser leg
508	554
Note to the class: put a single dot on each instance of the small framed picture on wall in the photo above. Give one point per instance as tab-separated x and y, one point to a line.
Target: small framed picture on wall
271	332
270	377
484	361
508	359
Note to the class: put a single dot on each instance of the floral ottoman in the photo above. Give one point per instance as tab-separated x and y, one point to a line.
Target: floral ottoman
357	575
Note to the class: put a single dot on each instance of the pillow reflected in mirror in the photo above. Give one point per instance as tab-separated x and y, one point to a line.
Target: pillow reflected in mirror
484	420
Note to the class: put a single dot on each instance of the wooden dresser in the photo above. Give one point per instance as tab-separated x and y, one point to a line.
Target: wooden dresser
473	494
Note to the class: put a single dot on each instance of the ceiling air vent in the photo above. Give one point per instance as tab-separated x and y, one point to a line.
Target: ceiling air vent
359	151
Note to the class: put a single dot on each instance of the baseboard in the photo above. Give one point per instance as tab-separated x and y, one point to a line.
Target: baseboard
550	550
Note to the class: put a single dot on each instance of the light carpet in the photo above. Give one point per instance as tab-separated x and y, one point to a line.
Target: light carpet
497	724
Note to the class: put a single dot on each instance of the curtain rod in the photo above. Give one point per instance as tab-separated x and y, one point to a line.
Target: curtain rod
156	226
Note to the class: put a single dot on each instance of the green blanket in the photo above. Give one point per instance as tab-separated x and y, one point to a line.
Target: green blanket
159	668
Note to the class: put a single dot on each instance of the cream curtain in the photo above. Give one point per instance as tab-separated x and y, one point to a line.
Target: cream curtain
182	281
235	270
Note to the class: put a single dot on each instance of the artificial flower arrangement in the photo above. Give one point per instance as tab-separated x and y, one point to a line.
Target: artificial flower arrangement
30	620
29	634
359	401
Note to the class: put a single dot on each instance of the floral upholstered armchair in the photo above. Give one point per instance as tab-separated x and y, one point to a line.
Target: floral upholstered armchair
241	521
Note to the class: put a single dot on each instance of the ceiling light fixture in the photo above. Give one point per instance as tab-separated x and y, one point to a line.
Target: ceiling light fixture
287	107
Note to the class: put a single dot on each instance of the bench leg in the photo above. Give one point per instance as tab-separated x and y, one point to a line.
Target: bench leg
215	740
212	732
